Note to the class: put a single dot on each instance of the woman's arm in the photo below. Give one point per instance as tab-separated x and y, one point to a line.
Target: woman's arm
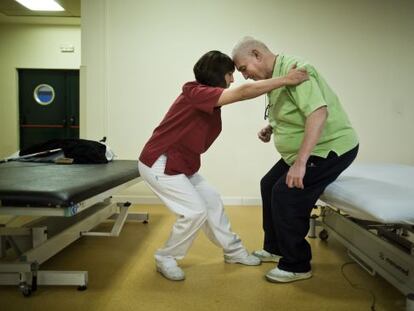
254	89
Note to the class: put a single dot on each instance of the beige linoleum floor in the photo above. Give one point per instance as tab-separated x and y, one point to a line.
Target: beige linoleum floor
122	275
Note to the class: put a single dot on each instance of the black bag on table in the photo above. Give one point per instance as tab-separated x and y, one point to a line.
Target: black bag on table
82	151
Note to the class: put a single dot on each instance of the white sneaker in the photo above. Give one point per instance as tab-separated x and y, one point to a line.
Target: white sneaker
248	260
278	275
265	256
171	271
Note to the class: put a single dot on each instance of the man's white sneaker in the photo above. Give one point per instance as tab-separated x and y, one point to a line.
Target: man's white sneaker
265	256
171	271
278	275
248	260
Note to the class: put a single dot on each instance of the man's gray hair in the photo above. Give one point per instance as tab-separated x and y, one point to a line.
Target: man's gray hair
246	45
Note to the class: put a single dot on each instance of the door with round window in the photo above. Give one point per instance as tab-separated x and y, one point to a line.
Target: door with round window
48	105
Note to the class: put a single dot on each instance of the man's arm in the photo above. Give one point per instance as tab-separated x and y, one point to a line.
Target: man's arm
313	130
265	134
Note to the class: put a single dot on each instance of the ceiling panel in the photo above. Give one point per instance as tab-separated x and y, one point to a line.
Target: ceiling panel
13	8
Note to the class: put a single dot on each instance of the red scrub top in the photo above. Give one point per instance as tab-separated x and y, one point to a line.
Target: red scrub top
188	129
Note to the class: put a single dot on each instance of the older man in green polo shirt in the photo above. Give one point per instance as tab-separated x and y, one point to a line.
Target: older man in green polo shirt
316	141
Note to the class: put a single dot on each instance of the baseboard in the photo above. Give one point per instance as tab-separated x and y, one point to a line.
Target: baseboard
153	200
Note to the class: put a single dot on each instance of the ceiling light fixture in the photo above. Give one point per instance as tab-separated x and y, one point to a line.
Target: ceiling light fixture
41	5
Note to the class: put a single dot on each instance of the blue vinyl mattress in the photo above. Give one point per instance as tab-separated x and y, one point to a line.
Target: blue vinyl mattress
58	185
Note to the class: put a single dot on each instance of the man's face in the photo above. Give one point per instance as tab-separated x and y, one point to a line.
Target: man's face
250	66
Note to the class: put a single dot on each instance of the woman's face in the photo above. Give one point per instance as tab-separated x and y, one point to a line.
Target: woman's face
229	78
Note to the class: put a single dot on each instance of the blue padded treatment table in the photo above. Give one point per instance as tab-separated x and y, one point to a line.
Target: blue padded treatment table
67	202
59	185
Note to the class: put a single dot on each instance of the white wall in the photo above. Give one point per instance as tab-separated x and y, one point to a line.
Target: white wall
137	54
29	46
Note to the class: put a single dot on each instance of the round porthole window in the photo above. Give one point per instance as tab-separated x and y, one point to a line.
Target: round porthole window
44	94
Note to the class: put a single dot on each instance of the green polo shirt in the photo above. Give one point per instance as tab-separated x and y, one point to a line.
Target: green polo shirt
290	106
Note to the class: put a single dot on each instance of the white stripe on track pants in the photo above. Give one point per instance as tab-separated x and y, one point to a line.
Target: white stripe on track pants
197	205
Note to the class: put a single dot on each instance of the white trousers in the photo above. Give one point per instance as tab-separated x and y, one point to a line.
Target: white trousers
196	205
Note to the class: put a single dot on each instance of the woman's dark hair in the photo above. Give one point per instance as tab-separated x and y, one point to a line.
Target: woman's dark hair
211	68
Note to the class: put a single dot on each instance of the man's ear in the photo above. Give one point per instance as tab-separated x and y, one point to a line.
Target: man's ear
257	54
